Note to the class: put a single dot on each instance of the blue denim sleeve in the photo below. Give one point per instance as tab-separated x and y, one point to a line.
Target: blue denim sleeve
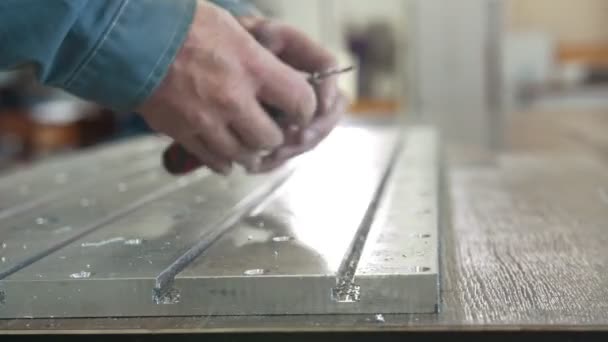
236	7
113	52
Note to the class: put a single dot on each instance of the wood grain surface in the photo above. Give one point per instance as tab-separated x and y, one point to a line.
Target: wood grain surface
524	247
528	244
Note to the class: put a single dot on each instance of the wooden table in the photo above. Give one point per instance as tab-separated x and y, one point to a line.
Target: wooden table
524	246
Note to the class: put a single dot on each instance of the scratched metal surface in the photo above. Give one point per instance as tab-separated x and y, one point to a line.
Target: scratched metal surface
55	223
136	242
111	154
24	190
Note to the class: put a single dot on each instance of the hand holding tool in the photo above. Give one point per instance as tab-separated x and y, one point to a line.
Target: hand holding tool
178	161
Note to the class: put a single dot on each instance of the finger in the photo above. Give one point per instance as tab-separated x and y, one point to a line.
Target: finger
221	142
311	137
268	166
197	148
327	92
292	46
286	89
266	163
299	51
256	129
251	163
323	125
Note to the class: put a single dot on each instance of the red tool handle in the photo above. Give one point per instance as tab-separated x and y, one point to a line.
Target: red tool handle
177	161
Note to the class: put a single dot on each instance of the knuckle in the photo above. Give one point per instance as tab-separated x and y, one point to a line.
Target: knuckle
198	122
257	67
223	144
226	97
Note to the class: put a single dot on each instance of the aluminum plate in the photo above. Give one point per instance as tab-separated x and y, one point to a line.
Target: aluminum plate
349	228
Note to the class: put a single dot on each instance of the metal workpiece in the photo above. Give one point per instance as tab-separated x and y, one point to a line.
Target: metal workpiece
399	265
32	235
56	170
348	228
26	189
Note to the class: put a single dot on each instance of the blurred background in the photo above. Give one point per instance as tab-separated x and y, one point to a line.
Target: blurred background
491	74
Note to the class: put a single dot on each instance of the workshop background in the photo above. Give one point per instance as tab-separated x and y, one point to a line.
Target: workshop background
480	69
503	230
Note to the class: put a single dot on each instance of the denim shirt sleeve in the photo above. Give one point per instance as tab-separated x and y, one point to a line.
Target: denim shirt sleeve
237	7
113	52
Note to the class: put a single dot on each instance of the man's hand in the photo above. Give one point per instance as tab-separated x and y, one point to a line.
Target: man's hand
210	101
297	50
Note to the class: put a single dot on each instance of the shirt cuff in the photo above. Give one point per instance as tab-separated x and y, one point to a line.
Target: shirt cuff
134	53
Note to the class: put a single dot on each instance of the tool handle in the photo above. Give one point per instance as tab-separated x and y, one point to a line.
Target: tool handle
178	161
